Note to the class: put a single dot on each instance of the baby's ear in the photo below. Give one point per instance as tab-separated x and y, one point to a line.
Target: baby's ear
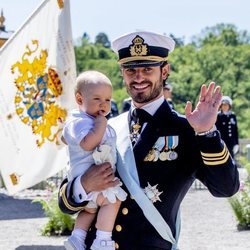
79	98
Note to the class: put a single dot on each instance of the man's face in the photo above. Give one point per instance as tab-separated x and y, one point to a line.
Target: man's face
144	84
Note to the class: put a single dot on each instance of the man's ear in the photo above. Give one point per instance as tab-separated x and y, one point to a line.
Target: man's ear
165	71
79	99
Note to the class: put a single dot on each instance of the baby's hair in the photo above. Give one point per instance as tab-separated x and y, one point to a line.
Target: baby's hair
90	77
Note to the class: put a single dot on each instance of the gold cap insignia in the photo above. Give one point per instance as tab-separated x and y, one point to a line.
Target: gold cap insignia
138	48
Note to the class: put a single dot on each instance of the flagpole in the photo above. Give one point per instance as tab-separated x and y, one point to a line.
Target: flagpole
22	26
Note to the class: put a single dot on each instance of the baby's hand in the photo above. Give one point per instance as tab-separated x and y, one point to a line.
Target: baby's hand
101	120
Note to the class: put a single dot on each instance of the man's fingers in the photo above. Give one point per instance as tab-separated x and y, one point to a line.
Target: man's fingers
217	94
102	176
106	170
102	169
116	182
206	94
216	99
209	92
203	93
188	109
112	182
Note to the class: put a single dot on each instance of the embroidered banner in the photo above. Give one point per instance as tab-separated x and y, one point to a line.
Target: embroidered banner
37	76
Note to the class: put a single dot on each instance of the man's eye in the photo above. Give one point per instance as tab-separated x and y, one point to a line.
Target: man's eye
148	69
130	71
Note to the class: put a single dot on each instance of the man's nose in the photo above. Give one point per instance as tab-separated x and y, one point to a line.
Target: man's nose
139	76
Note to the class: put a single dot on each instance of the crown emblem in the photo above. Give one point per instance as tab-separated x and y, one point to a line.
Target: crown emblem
60	4
14	178
138	47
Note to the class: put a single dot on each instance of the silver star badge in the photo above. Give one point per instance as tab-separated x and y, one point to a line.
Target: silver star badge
152	193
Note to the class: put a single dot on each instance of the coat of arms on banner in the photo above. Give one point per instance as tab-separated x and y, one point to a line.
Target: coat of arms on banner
38	89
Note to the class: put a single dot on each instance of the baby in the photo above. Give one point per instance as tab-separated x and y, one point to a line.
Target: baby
90	141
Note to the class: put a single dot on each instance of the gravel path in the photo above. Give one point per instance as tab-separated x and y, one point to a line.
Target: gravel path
208	223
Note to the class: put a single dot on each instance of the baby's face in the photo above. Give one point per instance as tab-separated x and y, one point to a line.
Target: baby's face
97	99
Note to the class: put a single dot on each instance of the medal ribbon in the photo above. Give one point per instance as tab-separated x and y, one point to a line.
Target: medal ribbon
170	142
175	141
165	147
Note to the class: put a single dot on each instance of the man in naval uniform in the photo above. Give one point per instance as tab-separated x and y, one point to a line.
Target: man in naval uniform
227	125
159	152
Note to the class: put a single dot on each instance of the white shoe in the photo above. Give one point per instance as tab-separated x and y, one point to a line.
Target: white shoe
103	245
72	243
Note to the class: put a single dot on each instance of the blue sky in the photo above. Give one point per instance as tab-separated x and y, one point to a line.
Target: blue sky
183	18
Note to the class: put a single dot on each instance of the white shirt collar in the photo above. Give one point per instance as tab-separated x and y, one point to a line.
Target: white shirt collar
152	106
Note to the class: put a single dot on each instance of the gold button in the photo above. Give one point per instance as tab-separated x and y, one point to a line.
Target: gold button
125	211
118	228
116	246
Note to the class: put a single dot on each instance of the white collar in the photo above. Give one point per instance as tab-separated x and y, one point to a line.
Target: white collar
152	106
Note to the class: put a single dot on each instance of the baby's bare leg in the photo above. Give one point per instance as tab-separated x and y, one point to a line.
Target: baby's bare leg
78	235
107	213
84	220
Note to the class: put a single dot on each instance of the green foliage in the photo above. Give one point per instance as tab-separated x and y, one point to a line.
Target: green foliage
179	41
240	204
58	223
97	57
223	34
228	66
220	53
102	39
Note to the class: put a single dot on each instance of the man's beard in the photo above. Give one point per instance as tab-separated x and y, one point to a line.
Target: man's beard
143	97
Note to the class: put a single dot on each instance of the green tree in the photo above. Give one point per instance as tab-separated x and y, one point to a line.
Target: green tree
97	57
179	41
227	65
225	34
102	39
220	53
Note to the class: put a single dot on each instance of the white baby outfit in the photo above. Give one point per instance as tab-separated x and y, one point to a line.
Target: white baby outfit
75	129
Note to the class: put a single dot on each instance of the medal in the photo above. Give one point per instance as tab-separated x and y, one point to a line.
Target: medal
135	132
157	148
136	126
173	155
163	156
152	193
156	154
175	141
150	156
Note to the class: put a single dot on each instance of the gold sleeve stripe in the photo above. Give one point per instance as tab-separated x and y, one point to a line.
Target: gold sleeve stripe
213	155
215	158
62	193
217	162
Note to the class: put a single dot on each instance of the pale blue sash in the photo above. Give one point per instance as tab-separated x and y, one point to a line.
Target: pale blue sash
128	172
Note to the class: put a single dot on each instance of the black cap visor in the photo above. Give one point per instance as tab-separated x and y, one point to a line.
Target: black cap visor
141	64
